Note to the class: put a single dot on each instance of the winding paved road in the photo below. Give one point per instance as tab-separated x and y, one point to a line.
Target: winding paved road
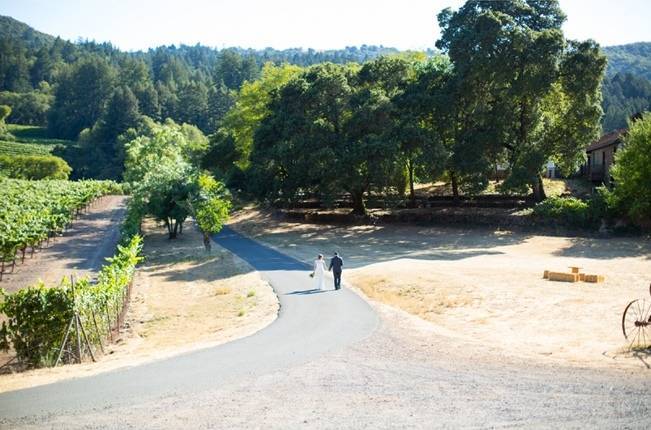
309	324
329	361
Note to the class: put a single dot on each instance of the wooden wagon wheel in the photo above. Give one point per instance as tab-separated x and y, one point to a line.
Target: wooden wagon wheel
636	322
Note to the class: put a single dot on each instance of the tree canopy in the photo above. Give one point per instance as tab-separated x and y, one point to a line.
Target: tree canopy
632	172
509	58
165	181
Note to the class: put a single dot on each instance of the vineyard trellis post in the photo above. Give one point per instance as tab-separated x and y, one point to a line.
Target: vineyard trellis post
63	344
83	332
99	333
79	331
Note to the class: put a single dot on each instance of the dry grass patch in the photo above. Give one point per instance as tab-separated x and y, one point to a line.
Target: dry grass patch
203	297
222	291
418	297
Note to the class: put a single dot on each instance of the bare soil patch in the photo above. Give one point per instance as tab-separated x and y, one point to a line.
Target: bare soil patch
183	299
485	286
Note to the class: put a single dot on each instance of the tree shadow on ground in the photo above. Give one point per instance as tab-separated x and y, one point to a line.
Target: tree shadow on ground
214	267
363	245
606	248
86	244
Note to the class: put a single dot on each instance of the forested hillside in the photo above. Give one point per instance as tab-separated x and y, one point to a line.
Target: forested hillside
187	83
627	85
93	92
624	95
634	58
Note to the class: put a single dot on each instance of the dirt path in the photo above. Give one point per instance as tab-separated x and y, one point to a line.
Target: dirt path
80	251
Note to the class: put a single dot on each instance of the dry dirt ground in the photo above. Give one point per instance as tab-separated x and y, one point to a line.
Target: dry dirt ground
183	299
80	251
553	187
485	287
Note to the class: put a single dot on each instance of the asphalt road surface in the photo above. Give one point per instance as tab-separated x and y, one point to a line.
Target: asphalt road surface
329	361
310	323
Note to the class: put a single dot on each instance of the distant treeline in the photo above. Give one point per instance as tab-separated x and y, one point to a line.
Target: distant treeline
42	78
68	86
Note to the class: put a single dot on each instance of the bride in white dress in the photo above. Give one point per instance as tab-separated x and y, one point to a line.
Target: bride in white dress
319	272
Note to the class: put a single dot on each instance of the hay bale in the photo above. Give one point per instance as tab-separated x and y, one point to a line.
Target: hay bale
563	277
595	279
582	277
546	274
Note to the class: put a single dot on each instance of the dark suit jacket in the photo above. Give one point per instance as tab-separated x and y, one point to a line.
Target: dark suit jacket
336	263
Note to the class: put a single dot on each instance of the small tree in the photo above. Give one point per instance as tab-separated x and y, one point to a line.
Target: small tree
632	172
209	204
5	111
167	185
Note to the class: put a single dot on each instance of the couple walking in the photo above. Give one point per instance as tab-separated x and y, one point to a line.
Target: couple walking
336	264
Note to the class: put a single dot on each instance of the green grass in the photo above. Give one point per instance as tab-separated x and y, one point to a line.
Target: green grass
34	135
18	148
29	140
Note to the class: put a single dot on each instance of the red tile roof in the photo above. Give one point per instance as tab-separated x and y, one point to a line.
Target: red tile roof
607	139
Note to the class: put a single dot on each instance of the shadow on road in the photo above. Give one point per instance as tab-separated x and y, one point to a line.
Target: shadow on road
260	257
363	245
306	292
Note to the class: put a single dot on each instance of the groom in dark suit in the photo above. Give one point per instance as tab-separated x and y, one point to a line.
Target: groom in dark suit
336	263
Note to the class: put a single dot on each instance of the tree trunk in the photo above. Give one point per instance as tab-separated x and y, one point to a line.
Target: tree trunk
359	208
168	224
412	193
174	231
206	242
538	189
455	186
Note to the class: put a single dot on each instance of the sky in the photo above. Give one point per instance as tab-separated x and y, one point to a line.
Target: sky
404	24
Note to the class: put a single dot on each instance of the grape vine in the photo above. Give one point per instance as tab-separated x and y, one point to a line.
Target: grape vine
33	211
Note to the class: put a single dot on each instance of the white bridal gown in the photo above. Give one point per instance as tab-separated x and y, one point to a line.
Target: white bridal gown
319	274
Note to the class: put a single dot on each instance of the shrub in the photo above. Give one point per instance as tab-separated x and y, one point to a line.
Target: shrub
5	111
631	194
34	167
37	317
573	212
36	320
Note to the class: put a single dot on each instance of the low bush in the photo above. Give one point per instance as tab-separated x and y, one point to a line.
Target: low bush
38	317
573	212
34	167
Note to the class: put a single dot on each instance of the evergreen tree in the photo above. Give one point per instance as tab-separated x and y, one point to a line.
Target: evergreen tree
80	97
